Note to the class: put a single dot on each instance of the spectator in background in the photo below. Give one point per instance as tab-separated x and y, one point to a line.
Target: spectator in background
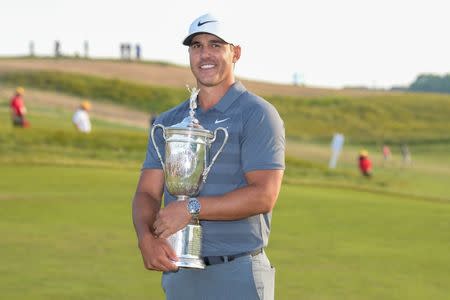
86	49
31	46
57	49
365	164
122	50
18	109
406	154
81	118
126	51
138	52
386	153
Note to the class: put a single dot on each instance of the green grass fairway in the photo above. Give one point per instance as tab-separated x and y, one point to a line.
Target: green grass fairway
67	234
342	244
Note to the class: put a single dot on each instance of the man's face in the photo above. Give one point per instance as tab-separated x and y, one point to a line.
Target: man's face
212	60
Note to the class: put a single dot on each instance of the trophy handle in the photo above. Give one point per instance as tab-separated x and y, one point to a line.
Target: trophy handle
152	135
206	171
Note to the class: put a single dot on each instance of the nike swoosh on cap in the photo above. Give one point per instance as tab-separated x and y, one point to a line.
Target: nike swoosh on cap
203	23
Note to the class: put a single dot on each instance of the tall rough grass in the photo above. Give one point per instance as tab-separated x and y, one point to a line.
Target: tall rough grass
391	118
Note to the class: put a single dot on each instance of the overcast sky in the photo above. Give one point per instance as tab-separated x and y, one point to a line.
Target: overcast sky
329	43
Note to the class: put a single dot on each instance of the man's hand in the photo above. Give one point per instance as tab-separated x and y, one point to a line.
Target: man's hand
157	254
171	218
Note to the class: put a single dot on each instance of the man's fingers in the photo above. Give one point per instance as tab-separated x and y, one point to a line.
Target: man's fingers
149	266
170	252
162	230
164	234
156	224
158	228
163	264
160	256
169	266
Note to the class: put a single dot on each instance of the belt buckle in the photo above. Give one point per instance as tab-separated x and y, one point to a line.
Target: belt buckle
213	260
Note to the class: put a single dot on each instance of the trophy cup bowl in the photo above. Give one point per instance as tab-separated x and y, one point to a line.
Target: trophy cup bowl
185	170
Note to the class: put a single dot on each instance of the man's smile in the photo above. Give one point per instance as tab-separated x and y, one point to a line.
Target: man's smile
207	66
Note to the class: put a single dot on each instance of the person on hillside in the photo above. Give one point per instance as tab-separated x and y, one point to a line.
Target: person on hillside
81	118
138	52
86	49
386	153
405	154
18	109
235	204
365	164
58	49
122	50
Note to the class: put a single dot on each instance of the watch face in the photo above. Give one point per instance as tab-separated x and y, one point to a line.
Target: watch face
194	206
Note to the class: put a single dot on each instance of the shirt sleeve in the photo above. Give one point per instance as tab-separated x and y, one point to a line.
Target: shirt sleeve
263	141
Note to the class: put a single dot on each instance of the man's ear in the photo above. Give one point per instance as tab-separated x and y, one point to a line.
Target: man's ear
236	53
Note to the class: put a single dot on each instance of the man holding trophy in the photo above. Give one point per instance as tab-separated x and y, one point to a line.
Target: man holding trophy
217	160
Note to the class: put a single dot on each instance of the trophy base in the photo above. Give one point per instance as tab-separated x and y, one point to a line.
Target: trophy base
187	245
190	263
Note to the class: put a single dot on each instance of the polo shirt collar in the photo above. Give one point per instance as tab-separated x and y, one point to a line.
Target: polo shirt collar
233	93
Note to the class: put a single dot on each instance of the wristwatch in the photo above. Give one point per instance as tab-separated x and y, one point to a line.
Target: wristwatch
193	207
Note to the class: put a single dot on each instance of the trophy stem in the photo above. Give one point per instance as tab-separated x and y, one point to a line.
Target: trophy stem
187	244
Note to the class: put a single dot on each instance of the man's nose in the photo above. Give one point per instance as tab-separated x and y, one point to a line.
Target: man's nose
205	52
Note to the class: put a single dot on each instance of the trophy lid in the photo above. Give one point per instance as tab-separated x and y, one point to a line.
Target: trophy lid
190	124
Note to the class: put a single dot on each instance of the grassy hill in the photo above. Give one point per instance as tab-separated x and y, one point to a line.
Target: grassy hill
370	118
154	73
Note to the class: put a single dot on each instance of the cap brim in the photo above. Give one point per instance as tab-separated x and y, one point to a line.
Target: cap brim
188	40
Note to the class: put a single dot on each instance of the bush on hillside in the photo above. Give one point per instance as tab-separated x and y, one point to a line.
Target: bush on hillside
431	83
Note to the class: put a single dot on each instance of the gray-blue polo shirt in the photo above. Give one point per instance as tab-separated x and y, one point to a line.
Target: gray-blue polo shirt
256	142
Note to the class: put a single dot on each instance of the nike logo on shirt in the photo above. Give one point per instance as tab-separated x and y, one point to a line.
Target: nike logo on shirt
220	121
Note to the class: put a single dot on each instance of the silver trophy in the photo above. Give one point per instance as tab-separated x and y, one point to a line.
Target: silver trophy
187	147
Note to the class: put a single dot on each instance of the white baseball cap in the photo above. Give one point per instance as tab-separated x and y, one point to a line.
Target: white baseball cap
208	23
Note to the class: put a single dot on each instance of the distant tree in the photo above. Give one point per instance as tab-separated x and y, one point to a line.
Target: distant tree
431	83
